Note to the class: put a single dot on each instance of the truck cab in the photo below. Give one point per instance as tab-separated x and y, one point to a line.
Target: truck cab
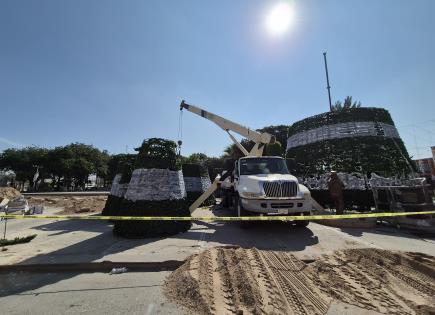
264	186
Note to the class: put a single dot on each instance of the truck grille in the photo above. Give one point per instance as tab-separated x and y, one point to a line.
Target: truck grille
279	189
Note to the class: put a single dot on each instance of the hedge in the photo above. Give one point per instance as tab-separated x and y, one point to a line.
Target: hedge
194	170
342	116
357	154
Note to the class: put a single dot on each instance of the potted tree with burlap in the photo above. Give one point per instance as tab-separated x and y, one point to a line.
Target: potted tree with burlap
156	188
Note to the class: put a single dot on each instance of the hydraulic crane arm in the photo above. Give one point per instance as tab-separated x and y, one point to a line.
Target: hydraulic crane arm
260	139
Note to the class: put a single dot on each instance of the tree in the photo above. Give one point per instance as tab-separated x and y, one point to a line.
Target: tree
195	158
6	177
280	132
274	149
73	164
116	162
233	152
24	162
347	104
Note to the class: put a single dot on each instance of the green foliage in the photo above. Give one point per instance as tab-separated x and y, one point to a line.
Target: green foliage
5	177
280	132
195	170
356	154
157	153
116	163
233	152
215	165
17	240
126	167
76	161
195	158
24	162
274	149
346	115
68	164
347	104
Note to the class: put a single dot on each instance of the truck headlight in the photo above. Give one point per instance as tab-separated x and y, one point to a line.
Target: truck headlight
251	195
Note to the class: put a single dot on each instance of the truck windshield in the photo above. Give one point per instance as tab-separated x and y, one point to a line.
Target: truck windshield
255	166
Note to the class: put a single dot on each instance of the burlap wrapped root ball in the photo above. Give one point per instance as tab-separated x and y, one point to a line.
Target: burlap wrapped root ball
196	182
156	188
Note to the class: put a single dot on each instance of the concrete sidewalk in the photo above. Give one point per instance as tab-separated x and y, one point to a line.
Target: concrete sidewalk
139	293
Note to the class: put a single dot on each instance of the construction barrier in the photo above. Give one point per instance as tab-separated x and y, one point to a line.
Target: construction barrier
220	219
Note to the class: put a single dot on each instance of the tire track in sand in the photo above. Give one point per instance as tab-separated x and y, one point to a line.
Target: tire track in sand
249	281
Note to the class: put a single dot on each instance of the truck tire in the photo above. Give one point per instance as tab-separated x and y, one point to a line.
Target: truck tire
241	212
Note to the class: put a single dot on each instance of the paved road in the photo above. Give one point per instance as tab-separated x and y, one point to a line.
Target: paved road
140	293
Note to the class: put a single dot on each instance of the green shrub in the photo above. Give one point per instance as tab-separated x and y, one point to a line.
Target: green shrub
17	240
157	153
356	154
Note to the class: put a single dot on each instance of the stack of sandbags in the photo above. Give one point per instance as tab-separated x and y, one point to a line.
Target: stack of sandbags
197	181
156	188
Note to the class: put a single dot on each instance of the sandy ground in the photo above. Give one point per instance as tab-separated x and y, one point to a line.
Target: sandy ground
8	192
251	281
71	204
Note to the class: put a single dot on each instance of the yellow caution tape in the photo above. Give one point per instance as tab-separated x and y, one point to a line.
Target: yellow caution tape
220	219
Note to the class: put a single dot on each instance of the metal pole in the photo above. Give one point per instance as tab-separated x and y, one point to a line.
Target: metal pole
4	233
327	82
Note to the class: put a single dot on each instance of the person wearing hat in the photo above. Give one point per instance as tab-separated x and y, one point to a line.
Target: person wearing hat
335	186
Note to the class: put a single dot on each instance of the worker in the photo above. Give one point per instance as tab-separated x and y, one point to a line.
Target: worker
335	186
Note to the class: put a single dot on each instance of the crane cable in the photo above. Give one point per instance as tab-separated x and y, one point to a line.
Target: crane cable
180	131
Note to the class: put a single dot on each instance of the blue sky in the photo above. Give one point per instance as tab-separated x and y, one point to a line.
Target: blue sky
111	73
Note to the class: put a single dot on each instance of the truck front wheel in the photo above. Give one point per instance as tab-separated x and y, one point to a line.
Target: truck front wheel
241	212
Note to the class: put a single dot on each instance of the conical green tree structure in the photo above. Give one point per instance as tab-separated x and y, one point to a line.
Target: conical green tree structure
156	188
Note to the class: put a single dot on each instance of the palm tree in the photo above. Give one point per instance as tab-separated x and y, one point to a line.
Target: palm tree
347	104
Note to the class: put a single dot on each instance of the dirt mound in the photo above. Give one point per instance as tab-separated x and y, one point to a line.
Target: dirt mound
379	280
70	204
250	281
8	192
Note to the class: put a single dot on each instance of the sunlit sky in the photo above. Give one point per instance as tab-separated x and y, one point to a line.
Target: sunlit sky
111	73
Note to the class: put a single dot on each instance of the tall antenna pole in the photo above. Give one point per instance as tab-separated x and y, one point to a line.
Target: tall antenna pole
327	82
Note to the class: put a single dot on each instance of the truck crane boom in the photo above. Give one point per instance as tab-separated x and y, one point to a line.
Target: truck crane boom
260	139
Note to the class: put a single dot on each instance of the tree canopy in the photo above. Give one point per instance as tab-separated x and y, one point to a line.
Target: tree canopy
65	165
338	106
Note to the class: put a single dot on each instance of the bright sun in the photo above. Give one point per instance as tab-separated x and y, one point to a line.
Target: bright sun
279	18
